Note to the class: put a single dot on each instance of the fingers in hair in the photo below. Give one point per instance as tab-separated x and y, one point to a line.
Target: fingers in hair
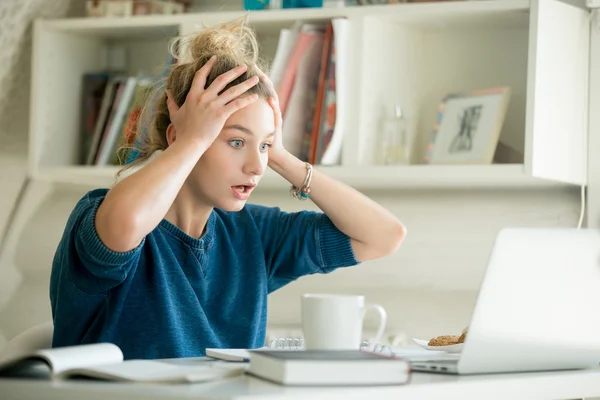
276	110
238	90
199	81
171	104
240	103
268	81
226	78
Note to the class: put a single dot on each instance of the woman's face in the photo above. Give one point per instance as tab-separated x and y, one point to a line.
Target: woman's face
228	171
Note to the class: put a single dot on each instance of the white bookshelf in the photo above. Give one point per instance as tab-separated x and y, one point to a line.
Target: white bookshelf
370	178
539	48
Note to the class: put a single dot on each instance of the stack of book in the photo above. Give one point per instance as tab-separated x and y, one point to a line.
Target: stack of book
112	104
308	71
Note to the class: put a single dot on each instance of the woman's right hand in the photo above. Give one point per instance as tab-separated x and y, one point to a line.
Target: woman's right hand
137	204
202	115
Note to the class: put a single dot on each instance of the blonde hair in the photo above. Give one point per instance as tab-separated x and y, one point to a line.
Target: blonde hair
233	42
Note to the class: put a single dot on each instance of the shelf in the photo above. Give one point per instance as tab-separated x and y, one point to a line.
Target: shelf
429	56
428	14
362	178
508	14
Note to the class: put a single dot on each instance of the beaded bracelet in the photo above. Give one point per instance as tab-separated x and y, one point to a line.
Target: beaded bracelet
303	192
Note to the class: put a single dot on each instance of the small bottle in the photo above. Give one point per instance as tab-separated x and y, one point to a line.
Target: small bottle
395	143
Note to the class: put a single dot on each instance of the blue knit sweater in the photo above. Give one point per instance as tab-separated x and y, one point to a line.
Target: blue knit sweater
175	295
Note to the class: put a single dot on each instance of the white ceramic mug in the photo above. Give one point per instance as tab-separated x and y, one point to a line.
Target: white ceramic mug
335	322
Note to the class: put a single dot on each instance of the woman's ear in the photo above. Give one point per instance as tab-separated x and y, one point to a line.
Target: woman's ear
171	134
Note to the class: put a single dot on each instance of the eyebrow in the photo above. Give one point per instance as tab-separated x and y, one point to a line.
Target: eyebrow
244	129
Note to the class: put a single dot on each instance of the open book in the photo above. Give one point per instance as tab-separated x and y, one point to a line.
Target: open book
105	361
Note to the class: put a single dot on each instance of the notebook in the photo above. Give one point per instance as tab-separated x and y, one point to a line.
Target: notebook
235	355
328	367
105	361
243	355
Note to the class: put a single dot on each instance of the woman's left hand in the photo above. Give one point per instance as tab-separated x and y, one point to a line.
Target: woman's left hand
374	232
276	151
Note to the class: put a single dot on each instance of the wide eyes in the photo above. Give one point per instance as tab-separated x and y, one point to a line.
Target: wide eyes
239	143
236	143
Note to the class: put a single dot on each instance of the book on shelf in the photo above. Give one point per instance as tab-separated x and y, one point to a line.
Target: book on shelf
105	361
93	94
112	106
110	123
310	59
308	71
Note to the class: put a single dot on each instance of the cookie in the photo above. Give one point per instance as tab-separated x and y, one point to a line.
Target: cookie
445	340
461	338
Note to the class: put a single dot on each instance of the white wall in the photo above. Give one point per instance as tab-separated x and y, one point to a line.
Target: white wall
15	67
429	287
12	177
13	171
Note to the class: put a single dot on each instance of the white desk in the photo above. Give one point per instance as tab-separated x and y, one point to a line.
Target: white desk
526	386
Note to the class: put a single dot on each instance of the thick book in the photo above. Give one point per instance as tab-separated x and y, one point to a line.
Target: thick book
105	361
329	367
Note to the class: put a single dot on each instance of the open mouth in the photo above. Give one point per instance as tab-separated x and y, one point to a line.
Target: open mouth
242	188
242	192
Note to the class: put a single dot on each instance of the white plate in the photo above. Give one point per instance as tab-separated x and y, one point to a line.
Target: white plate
453	348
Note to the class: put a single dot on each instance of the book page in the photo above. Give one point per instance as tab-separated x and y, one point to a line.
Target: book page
240	355
88	355
152	371
26	344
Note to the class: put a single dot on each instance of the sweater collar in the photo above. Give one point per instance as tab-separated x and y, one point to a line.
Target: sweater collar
197	243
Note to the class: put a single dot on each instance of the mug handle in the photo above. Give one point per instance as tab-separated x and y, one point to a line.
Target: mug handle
382	319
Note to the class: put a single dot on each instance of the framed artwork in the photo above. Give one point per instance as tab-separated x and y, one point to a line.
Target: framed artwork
468	126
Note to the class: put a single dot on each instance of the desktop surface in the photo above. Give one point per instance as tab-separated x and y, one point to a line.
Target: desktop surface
555	384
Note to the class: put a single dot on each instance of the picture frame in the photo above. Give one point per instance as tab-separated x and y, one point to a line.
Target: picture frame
468	126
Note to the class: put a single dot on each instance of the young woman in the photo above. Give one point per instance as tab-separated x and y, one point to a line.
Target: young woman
171	260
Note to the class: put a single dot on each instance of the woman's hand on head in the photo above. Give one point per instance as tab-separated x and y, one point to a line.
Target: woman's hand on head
276	150
202	115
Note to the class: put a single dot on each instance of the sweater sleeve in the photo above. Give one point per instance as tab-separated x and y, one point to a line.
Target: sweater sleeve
300	243
93	267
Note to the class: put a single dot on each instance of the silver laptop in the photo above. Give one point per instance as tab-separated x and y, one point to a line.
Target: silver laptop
538	307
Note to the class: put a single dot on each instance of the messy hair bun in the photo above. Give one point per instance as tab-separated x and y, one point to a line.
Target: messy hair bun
231	41
234	44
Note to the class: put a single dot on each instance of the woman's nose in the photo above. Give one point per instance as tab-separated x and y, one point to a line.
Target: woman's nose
254	164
